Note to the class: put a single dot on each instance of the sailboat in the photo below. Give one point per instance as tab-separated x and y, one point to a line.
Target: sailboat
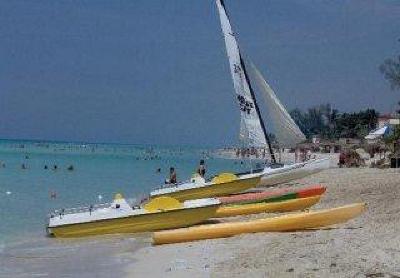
253	131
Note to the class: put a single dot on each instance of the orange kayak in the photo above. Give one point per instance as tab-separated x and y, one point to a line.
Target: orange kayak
284	206
274	195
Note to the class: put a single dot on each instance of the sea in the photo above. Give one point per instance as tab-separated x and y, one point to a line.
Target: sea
37	177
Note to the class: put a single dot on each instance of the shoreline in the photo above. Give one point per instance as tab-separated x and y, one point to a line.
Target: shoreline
104	256
284	157
367	245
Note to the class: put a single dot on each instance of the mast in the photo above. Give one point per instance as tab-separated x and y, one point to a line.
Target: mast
250	89
271	152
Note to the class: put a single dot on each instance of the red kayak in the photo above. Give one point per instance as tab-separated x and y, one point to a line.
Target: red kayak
274	195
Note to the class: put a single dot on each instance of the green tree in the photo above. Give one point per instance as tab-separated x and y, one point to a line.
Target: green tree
391	71
329	123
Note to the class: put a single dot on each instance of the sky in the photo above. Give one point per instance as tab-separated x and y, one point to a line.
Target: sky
156	72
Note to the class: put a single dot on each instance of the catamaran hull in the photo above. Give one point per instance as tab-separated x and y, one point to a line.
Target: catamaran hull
214	190
137	223
293	172
296	174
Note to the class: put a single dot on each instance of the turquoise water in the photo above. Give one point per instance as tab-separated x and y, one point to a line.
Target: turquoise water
99	169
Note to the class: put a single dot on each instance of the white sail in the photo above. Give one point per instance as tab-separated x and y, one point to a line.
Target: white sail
251	129
286	131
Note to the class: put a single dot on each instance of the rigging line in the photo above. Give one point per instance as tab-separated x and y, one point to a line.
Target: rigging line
267	139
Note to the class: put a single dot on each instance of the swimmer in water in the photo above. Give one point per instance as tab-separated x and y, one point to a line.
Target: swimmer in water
70	168
53	195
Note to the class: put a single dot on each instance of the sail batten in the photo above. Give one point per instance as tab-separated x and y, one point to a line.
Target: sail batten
252	128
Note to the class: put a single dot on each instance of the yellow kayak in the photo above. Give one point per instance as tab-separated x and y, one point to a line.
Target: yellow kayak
284	206
289	222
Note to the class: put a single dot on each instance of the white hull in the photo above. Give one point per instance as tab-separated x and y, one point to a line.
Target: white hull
293	172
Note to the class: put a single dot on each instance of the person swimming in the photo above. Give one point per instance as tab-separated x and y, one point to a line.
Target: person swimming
70	168
53	194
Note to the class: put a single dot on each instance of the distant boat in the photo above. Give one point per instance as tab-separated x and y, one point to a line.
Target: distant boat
253	131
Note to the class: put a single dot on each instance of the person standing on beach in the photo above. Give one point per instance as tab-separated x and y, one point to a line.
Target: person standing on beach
202	169
342	159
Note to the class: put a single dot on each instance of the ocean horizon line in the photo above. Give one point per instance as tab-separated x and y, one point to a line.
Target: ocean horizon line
76	142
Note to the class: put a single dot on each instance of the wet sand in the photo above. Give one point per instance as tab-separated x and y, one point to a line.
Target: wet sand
89	257
368	246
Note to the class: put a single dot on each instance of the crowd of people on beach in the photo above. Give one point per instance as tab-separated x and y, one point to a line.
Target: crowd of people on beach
247	152
301	154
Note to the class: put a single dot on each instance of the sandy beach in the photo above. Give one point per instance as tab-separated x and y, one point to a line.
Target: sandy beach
120	120
368	246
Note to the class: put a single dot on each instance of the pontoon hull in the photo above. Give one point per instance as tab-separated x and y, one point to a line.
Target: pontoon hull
214	190
137	223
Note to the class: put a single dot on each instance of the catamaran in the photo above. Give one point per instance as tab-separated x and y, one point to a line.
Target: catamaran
253	131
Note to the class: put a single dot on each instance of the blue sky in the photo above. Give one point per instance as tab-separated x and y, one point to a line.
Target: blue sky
156	72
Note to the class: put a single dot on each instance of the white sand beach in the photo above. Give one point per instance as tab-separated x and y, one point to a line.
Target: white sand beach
368	246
